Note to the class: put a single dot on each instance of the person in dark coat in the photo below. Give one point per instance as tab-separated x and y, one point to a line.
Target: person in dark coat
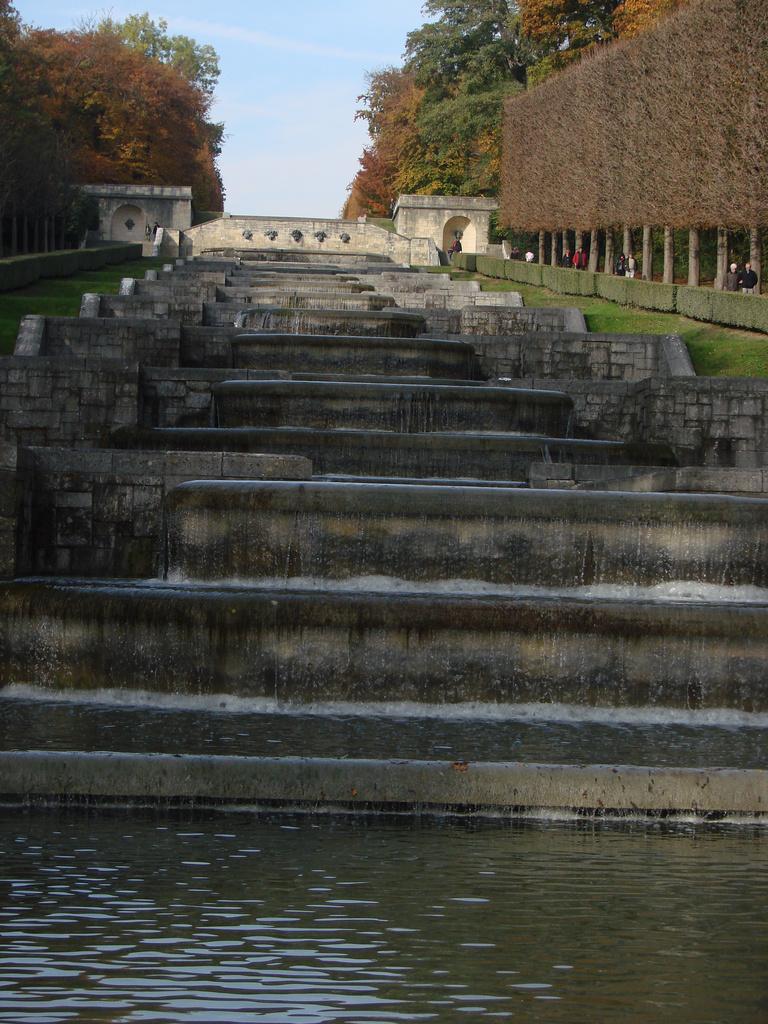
748	280
621	266
566	259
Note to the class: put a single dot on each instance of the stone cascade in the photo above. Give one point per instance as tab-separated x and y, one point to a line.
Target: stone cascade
415	565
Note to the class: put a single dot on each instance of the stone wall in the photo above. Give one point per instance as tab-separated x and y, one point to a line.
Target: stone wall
100	513
72	401
168	205
183	398
10	509
364	237
575	356
127	340
709	421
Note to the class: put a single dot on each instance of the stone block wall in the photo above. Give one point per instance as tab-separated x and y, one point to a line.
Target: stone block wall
573	356
100	513
10	509
128	340
208	346
709	421
364	237
183	398
69	401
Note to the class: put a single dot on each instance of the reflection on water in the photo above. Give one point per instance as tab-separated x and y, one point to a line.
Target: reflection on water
156	917
34	721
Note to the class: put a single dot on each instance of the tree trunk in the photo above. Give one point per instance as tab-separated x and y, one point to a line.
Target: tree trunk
25	233
722	258
755	255
694	258
669	256
36	236
542	248
554	253
608	265
647	252
626	241
578	240
594	249
15	236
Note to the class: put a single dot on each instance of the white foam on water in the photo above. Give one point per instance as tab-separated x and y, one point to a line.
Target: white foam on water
468	711
683	591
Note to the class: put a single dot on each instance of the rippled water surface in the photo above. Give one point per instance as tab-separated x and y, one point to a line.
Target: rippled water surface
152	916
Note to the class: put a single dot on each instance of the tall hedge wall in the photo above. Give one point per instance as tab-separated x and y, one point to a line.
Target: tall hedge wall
23	270
668	128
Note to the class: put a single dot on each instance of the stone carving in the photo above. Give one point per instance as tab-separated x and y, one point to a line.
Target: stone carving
321	236
129	224
296	235
271	234
344	236
247	234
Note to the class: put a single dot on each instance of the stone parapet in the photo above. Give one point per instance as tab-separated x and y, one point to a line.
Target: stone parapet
100	512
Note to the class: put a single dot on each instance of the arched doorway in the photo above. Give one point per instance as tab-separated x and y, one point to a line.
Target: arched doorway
464	229
129	223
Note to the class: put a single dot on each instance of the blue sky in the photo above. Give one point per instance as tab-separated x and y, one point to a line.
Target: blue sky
291	72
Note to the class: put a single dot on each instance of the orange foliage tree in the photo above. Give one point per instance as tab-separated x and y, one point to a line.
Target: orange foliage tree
125	116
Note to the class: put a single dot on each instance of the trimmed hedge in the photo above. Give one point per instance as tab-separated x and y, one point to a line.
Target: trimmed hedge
465	261
695	302
649	295
19	271
731	309
526	273
612	288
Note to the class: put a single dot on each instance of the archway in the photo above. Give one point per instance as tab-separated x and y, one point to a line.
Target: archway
465	229
129	223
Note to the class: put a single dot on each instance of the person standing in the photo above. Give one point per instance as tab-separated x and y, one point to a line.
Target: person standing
621	266
631	265
566	258
529	257
732	279
748	280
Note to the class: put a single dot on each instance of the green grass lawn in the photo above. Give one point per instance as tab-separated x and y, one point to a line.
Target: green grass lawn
715	351
61	296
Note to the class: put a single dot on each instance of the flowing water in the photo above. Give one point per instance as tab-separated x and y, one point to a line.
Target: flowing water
149	916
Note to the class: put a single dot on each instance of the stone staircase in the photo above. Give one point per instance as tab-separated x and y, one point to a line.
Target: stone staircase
405	561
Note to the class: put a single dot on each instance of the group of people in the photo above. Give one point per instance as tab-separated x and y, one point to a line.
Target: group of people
579	260
741	280
626	266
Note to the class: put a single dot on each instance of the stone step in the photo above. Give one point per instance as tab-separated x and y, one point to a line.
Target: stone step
350	354
384	323
371	453
534	733
250	530
323	645
402	408
300	298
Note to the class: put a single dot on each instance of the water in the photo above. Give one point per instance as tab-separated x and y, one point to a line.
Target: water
231	917
33	719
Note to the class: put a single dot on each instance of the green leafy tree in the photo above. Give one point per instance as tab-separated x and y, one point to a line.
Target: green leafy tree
198	63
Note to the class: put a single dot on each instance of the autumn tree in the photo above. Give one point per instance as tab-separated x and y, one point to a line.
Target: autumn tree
198	63
126	116
435	123
566	29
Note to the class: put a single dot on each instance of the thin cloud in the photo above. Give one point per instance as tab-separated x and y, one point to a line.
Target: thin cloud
205	29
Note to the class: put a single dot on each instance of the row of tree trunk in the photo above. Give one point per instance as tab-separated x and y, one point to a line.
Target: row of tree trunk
22	235
559	241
